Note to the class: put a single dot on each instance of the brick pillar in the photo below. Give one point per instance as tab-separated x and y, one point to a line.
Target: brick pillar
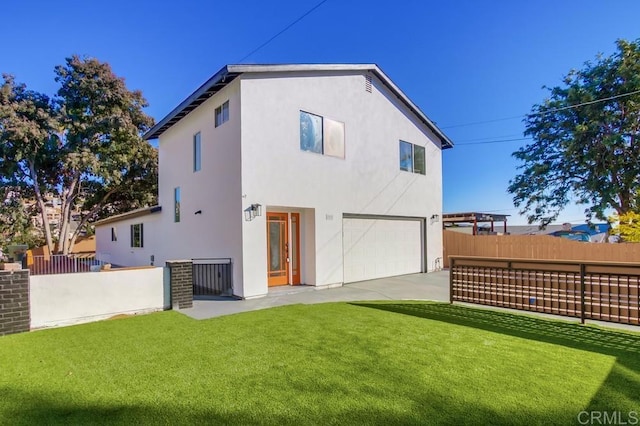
14	301
181	279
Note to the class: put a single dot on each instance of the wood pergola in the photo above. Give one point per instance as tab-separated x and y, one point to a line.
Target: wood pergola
475	218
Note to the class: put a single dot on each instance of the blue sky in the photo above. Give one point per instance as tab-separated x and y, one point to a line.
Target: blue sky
461	61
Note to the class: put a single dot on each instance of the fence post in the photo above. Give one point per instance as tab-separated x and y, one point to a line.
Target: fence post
14	301
582	291
181	281
452	263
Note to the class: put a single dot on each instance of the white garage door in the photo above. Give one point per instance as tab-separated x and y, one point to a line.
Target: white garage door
377	248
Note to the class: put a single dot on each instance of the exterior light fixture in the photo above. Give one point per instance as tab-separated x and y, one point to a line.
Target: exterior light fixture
435	217
252	211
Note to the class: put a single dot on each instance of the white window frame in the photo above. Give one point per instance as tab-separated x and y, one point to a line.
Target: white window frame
222	114
197	152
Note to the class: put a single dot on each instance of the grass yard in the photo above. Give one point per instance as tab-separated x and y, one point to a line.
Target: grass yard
339	363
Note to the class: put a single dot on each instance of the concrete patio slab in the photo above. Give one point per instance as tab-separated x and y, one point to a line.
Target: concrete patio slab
432	286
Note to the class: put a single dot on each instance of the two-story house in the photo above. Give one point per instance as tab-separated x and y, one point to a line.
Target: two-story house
301	174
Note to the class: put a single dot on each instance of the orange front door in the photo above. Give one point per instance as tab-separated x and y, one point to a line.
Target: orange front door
277	248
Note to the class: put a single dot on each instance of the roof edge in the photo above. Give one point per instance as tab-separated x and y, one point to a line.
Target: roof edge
128	215
216	78
237	69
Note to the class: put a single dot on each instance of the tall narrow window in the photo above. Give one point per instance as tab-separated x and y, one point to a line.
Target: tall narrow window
419	163
222	114
137	235
176	204
406	156
197	152
114	236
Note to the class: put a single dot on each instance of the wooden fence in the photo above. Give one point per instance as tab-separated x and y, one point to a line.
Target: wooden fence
539	247
605	291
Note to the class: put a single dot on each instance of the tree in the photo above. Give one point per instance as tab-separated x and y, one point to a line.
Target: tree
628	227
586	142
84	145
27	144
16	220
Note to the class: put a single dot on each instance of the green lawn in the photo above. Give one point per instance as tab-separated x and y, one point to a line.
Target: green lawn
339	363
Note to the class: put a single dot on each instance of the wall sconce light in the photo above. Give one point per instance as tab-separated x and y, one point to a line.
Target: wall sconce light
435	217
252	211
198	212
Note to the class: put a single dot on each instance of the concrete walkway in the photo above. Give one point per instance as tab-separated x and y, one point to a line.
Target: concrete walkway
431	286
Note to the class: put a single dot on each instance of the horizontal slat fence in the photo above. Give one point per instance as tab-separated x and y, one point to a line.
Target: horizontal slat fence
605	291
535	247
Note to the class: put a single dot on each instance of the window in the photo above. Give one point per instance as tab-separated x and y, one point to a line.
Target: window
114	237
197	153
321	135
222	114
176	204
310	132
406	156
412	158
419	162
137	239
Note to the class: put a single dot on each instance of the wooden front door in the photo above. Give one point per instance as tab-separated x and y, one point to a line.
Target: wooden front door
278	248
283	249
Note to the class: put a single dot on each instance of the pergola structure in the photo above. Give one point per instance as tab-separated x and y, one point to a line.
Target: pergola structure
475	218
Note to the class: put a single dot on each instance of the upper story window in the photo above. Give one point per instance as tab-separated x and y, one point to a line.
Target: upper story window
222	114
412	158
321	135
197	153
137	235
114	236
176	204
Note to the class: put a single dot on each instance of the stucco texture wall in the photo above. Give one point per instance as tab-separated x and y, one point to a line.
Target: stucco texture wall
276	172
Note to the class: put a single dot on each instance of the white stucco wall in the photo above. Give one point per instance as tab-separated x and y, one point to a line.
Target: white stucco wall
76	298
215	190
275	172
120	252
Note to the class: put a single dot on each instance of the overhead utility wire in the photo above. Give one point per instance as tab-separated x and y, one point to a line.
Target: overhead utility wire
544	112
283	30
489	142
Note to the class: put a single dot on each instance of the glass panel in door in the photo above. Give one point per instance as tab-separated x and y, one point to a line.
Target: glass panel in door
277	249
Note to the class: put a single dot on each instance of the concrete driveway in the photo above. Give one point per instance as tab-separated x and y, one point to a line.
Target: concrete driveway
431	286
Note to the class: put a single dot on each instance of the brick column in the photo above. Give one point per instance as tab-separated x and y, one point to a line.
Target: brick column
14	301
181	279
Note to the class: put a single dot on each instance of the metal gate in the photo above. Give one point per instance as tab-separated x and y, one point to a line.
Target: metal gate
212	277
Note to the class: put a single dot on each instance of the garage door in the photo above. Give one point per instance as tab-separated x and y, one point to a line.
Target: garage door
378	248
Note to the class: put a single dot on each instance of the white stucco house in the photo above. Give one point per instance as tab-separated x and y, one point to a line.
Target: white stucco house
301	174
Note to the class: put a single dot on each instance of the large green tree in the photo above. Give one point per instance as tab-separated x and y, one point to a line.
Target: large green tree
83	145
586	142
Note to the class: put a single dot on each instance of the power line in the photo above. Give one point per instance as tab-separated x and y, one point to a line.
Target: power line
308	12
512	135
491	142
595	101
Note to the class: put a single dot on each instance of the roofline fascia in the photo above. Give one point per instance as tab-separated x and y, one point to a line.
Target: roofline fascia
240	69
216	78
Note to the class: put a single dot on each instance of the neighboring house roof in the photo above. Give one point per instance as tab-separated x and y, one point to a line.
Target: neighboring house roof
470	217
532	229
593	229
128	215
228	73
